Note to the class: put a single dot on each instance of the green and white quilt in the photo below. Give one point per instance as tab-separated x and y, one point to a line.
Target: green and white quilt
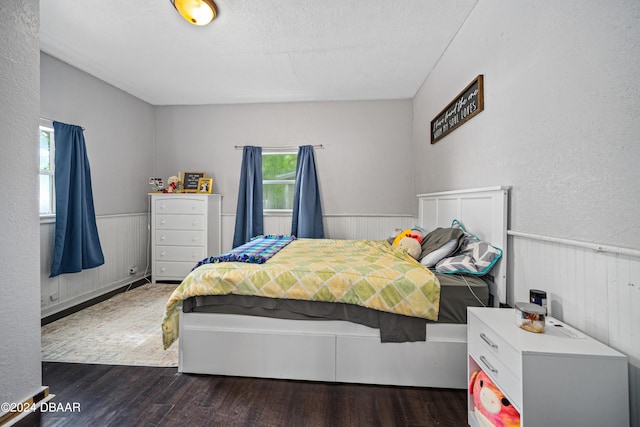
368	273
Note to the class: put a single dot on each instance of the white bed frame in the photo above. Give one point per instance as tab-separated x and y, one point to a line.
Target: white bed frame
340	351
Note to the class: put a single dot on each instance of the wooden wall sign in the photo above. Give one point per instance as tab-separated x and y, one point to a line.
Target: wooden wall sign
466	105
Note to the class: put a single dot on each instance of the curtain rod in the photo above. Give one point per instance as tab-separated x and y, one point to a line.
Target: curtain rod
51	120
289	148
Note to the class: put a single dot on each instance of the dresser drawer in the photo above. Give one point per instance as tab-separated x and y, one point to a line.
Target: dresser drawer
179	222
172	270
179	238
510	385
179	206
180	253
486	341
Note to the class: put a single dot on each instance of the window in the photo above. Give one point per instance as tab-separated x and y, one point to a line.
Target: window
278	180
47	199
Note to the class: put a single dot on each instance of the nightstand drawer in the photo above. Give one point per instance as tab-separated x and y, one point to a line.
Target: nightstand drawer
180	238
180	222
179	206
484	340
510	385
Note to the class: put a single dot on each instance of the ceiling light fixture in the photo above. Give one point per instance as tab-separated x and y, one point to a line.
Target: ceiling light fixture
197	12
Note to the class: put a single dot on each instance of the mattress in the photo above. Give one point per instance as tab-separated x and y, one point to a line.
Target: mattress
457	292
366	273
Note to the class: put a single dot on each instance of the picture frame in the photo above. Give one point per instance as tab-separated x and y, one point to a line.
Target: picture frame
466	105
157	184
205	185
190	181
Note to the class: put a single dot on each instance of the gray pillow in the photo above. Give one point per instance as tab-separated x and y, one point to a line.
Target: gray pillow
439	237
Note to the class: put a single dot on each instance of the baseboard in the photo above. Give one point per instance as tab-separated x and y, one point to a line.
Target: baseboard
68	311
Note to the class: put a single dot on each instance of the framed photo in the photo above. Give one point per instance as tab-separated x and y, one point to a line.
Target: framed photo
190	181
204	185
157	185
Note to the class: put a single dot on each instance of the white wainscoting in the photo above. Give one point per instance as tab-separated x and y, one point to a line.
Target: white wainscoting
124	241
595	288
374	227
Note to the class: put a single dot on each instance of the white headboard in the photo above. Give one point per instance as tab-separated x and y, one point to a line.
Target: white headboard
483	212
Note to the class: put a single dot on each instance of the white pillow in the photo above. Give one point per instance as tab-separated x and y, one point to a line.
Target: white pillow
432	258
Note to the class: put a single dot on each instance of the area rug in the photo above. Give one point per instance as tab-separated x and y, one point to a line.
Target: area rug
123	330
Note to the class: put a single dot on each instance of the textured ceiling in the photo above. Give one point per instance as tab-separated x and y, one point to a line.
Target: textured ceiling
255	51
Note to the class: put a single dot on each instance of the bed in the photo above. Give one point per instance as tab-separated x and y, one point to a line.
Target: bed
224	335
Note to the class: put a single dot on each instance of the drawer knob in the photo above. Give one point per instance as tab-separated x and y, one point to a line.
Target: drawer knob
162	269
162	206
163	253
162	222
488	341
194	238
488	365
162	237
194	222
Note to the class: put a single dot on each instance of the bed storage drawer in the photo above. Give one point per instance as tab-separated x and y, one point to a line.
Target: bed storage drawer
354	363
254	353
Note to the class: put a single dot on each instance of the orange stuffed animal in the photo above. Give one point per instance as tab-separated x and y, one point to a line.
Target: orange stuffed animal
492	408
414	233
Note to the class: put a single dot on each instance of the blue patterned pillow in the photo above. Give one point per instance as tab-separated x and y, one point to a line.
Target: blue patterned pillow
474	257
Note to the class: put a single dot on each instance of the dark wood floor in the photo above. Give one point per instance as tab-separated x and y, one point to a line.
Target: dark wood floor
144	396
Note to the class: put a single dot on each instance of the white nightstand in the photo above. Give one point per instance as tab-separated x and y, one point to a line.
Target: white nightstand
557	378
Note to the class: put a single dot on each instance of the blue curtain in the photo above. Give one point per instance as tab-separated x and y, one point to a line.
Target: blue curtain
307	210
77	245
249	214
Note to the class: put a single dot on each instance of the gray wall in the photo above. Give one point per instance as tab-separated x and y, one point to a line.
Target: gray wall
20	368
560	123
118	133
364	167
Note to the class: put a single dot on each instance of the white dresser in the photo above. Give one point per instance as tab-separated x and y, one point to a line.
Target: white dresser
185	228
560	377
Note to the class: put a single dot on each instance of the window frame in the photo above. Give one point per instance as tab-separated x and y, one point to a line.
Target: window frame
271	152
47	126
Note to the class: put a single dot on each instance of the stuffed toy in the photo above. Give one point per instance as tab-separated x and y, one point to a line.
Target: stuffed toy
412	246
415	233
492	408
172	185
410	240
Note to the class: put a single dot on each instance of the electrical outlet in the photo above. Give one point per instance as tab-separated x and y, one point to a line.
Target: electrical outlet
133	269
